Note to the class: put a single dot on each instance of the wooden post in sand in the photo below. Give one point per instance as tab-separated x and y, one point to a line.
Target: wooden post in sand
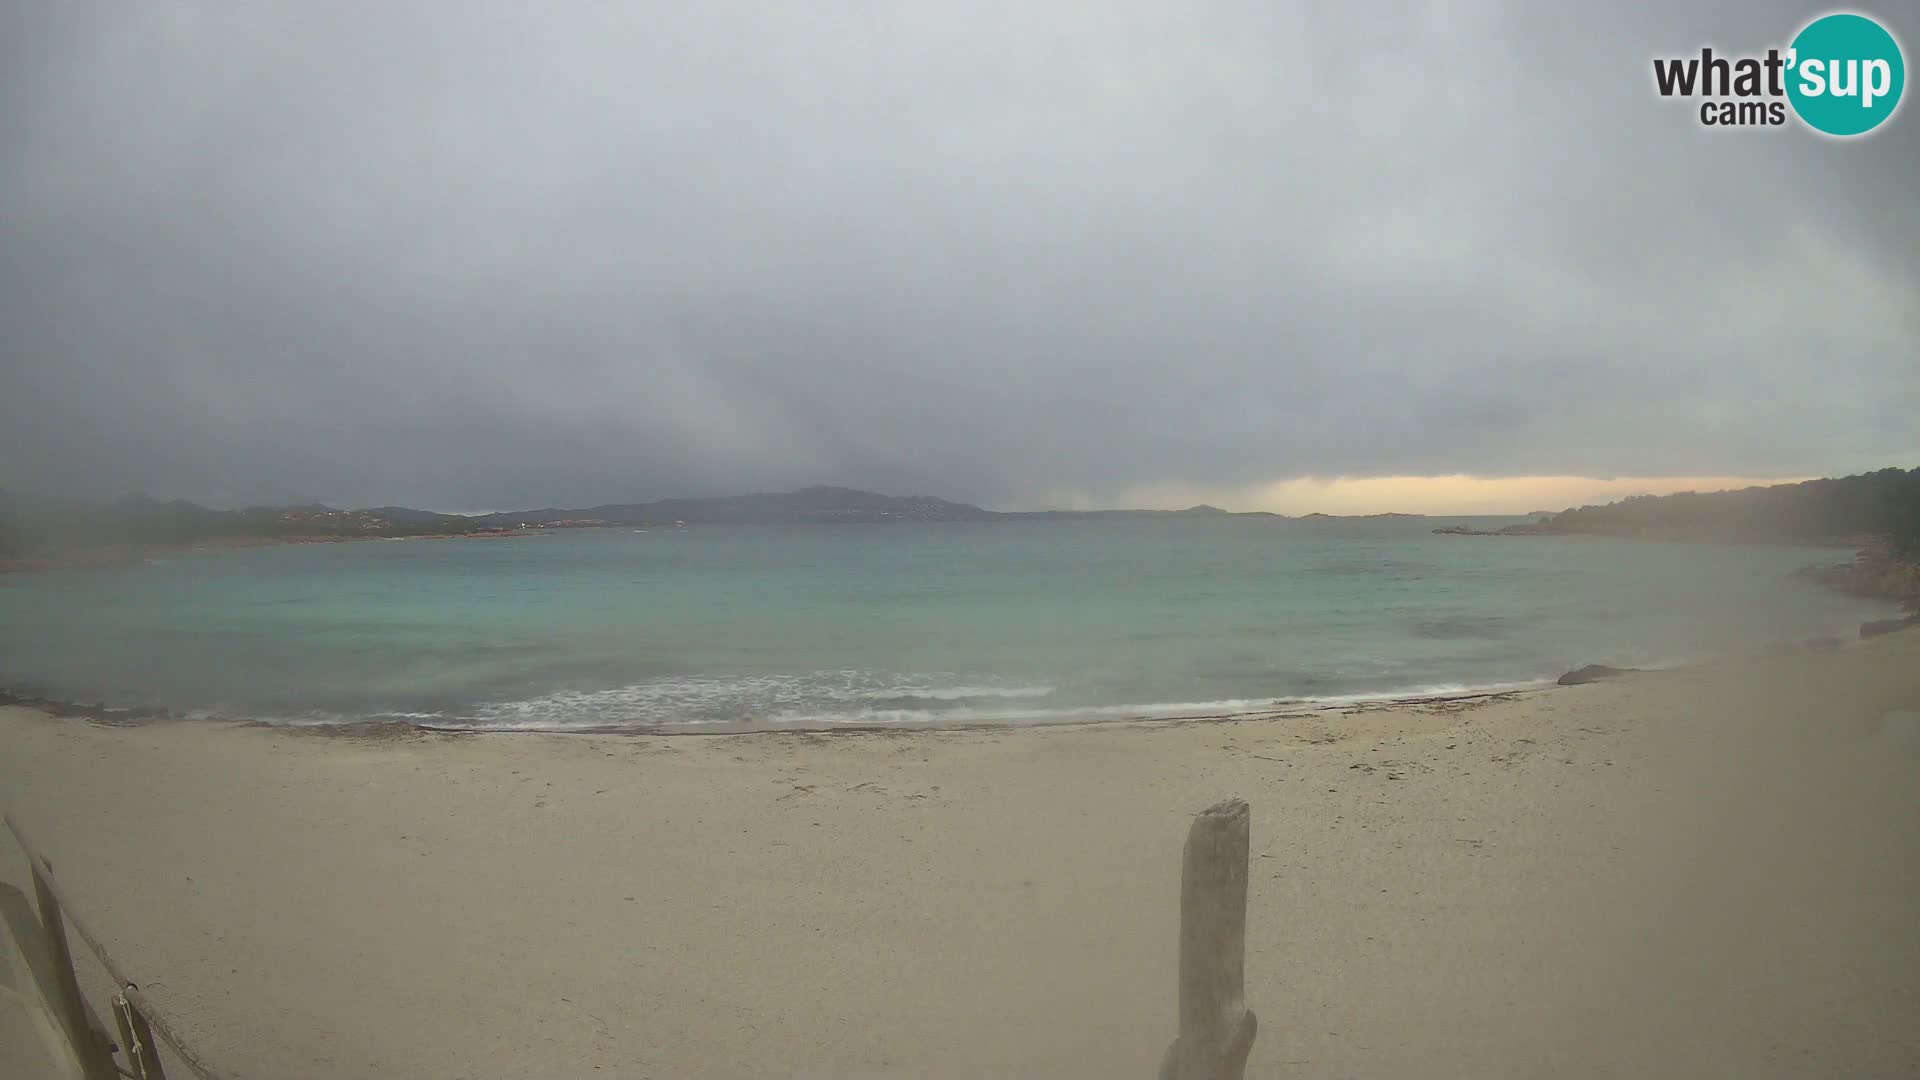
1216	1029
143	1020
90	1046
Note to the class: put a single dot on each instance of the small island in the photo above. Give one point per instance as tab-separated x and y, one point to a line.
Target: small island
1537	528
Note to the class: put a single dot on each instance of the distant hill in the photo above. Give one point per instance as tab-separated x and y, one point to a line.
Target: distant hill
401	515
43	532
808	505
34	528
48	531
1201	511
1883	505
1361	517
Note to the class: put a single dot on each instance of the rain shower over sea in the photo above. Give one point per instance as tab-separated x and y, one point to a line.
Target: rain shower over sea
916	624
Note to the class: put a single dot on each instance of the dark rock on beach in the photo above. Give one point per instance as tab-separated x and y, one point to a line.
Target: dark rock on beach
1887	626
1592	673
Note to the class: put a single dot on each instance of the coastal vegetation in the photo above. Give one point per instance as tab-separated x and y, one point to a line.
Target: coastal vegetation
1876	512
1883	505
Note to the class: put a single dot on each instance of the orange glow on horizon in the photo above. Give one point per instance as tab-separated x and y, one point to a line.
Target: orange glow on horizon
1433	495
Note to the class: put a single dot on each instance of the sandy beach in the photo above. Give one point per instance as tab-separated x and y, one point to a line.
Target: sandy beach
1708	872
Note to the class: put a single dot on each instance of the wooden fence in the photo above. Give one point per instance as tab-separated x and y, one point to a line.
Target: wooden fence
1215	1034
41	936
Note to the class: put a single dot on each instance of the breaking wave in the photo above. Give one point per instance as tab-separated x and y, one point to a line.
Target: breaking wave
838	700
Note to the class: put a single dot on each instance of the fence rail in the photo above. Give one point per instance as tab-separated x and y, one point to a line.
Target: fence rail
136	1016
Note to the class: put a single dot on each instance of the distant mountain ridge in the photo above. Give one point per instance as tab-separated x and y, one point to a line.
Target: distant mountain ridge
1882	504
33	531
30	528
820	504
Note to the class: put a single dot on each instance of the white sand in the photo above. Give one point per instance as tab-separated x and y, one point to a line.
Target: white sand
1708	873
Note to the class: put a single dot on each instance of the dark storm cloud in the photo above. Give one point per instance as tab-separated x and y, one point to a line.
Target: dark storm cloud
474	255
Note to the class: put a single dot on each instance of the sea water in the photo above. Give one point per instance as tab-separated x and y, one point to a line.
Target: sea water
1015	622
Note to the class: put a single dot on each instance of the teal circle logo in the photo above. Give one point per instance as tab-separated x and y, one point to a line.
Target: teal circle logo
1845	74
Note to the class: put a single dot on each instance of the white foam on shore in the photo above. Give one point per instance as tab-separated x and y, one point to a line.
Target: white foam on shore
839	700
1420	693
824	697
652	706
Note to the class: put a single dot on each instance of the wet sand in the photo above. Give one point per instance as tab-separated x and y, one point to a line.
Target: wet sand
1707	873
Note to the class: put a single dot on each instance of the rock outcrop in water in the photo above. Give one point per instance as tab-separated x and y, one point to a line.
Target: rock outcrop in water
1533	528
1876	573
1592	673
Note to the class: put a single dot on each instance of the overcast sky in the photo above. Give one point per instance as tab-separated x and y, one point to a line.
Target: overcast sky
475	255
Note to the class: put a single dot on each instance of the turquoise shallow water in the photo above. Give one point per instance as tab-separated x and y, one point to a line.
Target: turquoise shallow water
1019	622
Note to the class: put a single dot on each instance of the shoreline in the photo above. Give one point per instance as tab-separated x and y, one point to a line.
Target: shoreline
1873	575
1441	695
965	727
133	717
1424	879
1465	695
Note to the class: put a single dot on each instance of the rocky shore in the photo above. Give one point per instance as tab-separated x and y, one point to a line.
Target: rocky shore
1875	572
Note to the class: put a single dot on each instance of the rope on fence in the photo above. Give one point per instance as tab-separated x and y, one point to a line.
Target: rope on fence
57	914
